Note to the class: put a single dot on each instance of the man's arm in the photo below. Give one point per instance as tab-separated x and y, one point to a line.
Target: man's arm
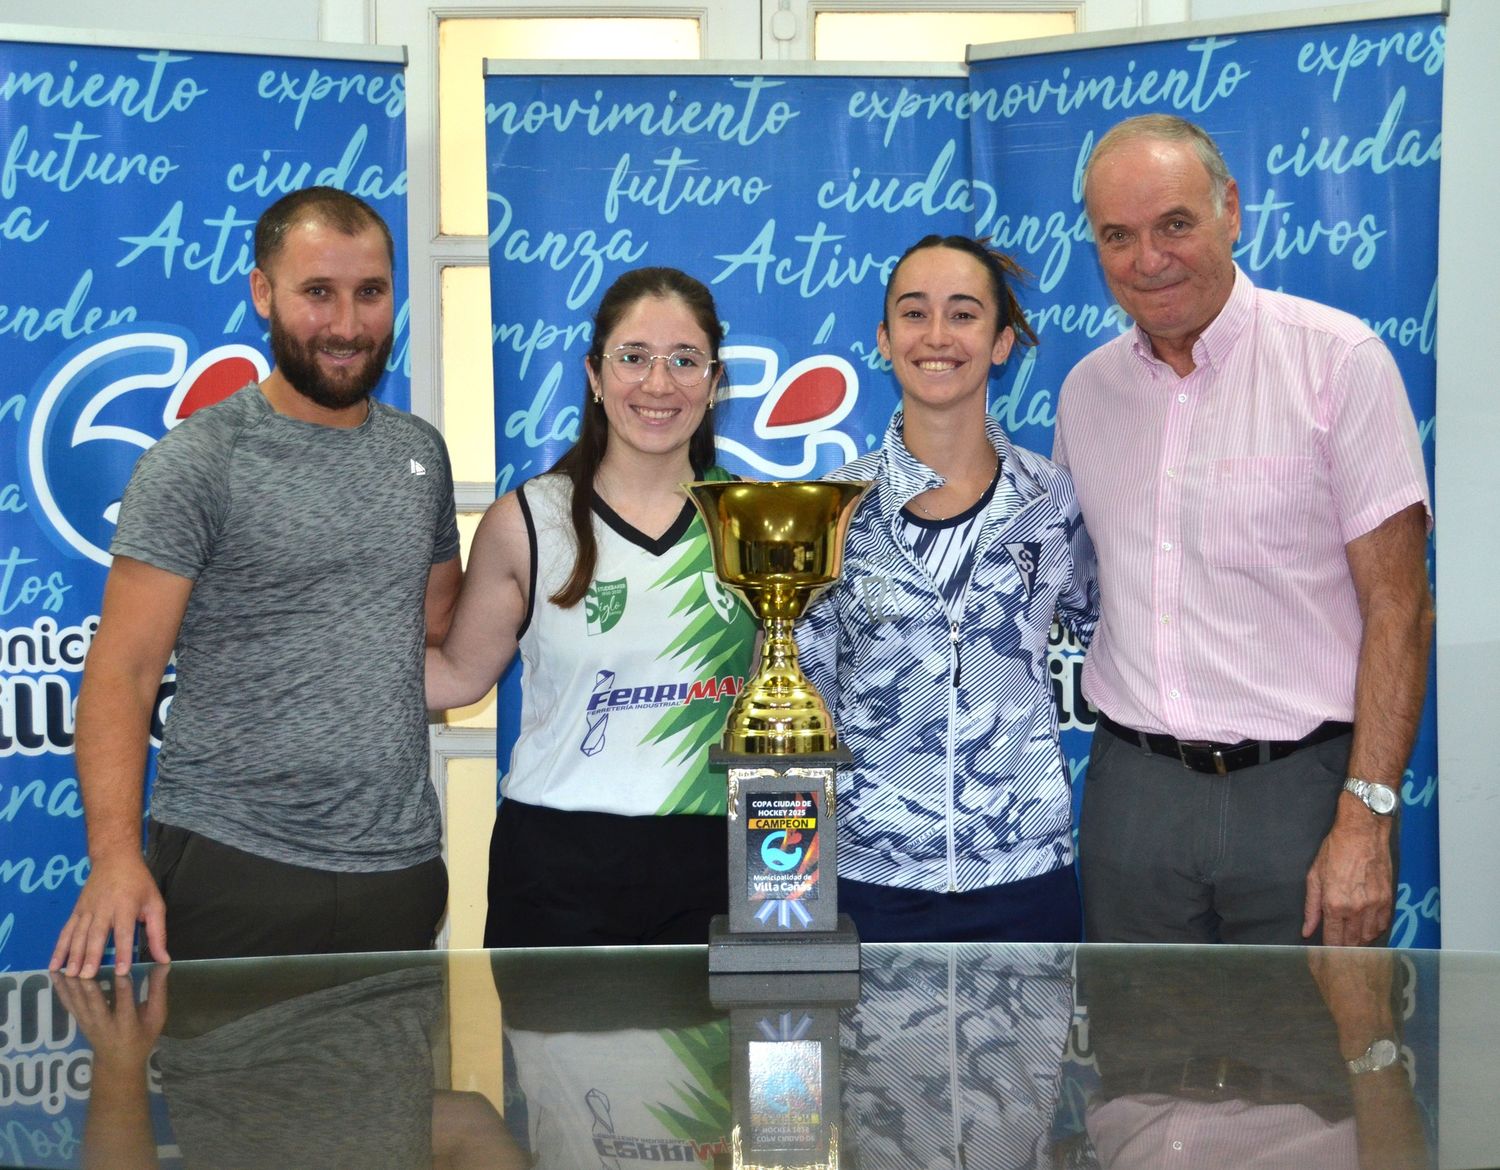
442	598
143	608
1357	987
1350	885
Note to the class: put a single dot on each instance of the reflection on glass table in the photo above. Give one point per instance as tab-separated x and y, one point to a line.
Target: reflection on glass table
934	1056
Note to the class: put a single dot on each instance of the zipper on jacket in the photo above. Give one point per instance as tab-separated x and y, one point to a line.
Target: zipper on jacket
957	650
952	771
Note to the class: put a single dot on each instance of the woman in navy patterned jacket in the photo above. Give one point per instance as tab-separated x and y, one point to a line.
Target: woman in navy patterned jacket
956	821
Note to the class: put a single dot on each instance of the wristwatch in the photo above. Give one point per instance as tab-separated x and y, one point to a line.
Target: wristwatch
1380	1055
1380	799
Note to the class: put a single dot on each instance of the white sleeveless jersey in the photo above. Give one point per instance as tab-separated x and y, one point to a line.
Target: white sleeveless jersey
624	693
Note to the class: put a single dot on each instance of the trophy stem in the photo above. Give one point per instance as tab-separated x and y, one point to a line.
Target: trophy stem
779	652
779	712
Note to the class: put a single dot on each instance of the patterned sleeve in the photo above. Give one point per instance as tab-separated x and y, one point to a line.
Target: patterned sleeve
1078	602
818	646
445	542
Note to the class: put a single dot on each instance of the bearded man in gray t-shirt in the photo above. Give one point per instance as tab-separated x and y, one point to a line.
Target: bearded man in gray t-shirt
295	546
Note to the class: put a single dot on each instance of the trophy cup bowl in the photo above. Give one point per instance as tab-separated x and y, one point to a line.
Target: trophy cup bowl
778	545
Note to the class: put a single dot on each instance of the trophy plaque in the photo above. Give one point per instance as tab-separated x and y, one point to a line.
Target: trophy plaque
778	546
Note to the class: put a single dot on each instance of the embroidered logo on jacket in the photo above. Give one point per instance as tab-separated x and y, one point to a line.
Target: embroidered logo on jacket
1025	555
878	595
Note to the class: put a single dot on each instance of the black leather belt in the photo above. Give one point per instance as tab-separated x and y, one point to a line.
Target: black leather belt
1207	1078
1202	755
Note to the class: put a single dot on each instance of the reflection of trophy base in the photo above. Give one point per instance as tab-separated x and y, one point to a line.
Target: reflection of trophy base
783	867
786	1076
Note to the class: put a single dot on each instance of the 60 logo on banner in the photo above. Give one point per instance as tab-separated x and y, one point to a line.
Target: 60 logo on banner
99	406
808	402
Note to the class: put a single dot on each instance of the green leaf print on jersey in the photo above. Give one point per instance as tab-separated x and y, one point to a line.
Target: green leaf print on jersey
707	646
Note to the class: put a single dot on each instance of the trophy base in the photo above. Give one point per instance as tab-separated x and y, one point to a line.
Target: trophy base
811	950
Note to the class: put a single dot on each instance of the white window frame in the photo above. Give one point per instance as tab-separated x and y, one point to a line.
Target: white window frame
729	28
787	25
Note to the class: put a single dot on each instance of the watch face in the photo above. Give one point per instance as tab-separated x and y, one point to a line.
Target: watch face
1381	799
1379	1056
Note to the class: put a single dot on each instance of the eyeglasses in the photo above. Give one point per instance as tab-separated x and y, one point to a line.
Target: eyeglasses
686	367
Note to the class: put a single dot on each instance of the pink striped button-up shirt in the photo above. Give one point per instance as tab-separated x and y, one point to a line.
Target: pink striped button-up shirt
1220	504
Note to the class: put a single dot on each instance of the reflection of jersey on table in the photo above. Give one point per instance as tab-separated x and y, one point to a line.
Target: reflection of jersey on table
951	1060
592	1098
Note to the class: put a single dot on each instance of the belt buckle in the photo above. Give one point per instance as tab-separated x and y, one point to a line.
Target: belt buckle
1202	745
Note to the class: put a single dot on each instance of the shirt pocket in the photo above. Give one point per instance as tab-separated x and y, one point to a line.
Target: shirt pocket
1258	511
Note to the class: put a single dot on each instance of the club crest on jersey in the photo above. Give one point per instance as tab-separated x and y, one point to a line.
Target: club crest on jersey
1025	555
724	602
604	605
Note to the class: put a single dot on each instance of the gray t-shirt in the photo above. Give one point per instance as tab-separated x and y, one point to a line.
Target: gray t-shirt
298	731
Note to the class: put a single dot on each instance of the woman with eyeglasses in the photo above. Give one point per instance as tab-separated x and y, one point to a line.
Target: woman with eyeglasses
955	822
611	827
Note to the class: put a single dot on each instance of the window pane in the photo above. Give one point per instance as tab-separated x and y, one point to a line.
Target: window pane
469	808
926	36
482	713
464	43
468	372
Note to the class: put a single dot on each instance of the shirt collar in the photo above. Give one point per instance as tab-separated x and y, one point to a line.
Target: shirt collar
1215	343
908	476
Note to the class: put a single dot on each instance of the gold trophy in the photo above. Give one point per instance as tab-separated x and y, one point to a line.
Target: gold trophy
778	545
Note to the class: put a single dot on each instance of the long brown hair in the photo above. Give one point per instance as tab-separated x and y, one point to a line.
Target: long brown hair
581	462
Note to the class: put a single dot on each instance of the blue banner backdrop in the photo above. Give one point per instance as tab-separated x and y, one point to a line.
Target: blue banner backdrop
130	182
791	197
1333	134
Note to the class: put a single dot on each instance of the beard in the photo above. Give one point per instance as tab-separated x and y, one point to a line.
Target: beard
298	363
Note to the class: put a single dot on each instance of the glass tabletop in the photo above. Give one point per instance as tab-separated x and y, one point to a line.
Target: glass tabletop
929	1056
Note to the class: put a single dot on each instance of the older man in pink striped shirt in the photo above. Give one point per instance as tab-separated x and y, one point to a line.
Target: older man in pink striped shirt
1250	472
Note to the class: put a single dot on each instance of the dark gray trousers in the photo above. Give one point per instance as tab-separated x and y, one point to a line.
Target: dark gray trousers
224	903
1171	855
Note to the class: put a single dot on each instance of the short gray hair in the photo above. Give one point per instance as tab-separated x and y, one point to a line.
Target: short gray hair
1165	128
